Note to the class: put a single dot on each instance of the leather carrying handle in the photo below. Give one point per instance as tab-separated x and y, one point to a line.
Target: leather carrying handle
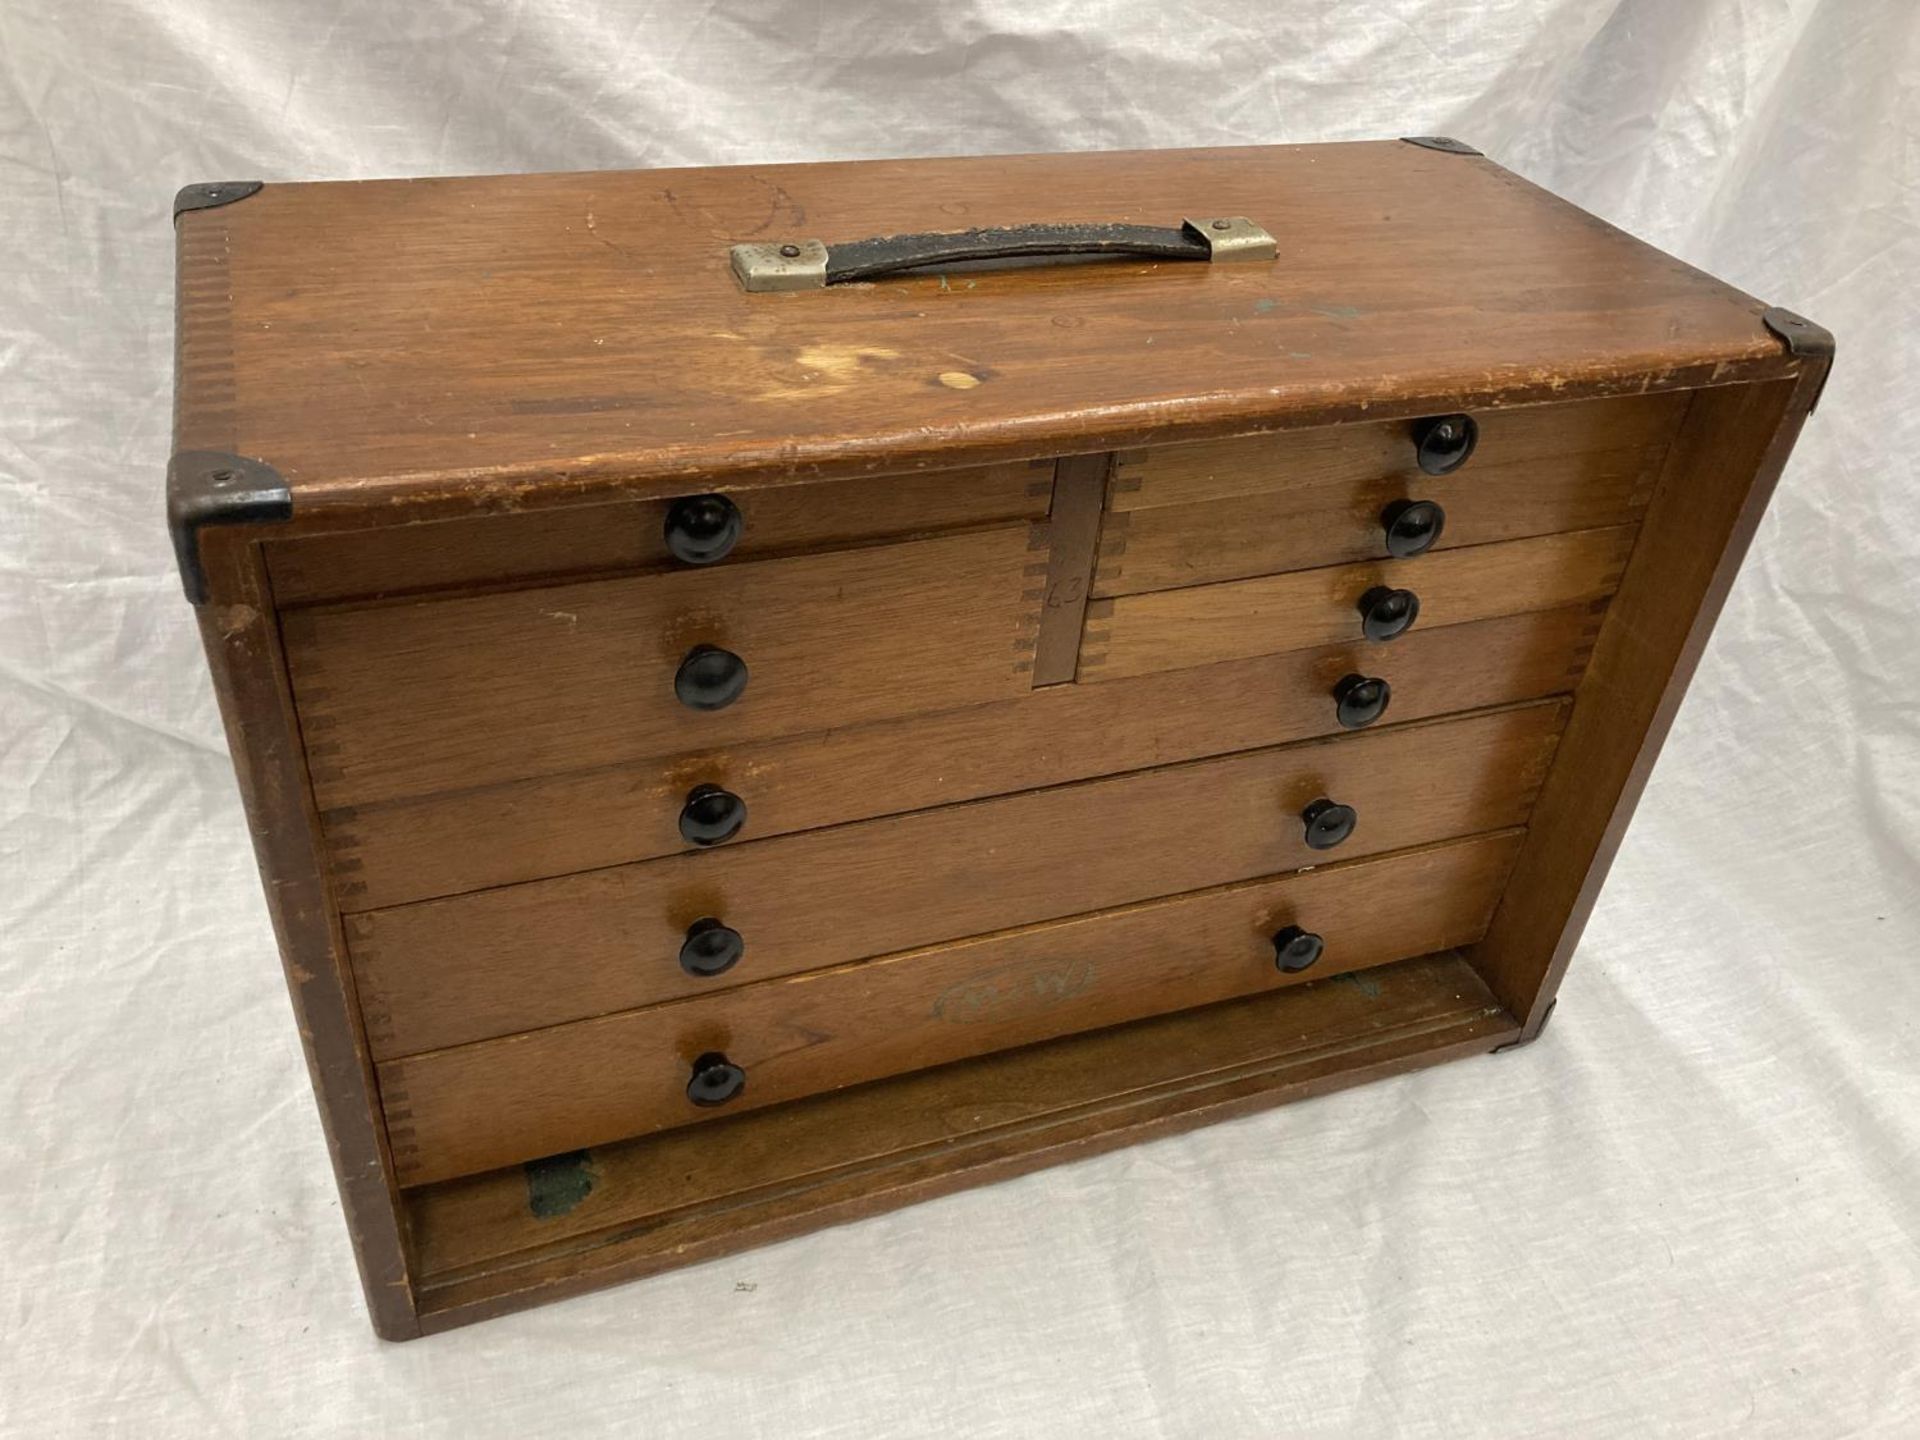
812	264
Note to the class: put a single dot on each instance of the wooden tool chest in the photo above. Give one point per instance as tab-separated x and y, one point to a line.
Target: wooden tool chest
764	694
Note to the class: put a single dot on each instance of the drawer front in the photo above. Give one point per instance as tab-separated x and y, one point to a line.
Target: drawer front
1547	436
477	1107
407	850
1299	524
550	545
1204	624
411	698
445	972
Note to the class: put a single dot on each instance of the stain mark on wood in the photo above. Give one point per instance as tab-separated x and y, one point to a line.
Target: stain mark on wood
558	1184
1364	981
1012	988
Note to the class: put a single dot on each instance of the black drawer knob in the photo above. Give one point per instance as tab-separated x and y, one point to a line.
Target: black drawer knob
1413	527
1327	823
716	1080
711	948
1386	612
1359	700
1443	443
711	815
1295	949
710	678
701	529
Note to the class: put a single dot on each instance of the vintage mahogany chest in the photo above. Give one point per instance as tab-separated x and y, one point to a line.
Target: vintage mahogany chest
764	694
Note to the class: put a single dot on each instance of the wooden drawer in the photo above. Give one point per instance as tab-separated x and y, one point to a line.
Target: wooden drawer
1243	464
445	972
1203	624
405	850
652	1202
1196	514
416	697
476	1107
549	545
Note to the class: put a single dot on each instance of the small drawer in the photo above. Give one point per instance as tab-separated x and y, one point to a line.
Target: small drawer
1546	436
418	849
445	972
553	545
1205	624
425	696
1296	515
478	1107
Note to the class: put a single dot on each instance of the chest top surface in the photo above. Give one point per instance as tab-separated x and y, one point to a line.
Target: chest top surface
526	340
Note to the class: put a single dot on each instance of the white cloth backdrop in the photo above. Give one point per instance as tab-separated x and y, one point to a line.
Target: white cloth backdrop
1692	1210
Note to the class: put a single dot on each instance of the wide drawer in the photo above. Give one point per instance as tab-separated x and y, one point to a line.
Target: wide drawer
553	544
1204	624
417	849
416	697
477	1107
444	972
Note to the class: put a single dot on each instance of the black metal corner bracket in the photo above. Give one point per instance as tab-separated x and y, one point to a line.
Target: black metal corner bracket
1538	1031
1802	338
209	194
1801	335
211	487
1442	142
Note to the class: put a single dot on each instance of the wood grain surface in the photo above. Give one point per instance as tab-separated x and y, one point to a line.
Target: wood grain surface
1704	515
627	536
415	697
477	1107
392	853
249	680
534	340
444	972
1203	624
